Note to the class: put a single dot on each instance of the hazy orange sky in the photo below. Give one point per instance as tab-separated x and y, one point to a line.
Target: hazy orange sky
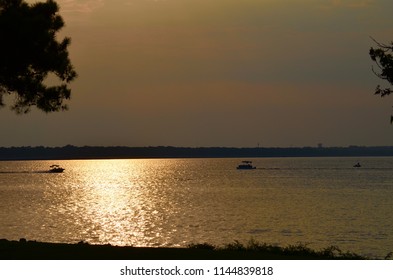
217	73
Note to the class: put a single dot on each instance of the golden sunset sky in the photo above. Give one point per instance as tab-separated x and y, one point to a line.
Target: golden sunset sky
231	73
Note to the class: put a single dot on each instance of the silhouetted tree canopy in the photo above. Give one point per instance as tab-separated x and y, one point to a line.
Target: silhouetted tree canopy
29	52
383	57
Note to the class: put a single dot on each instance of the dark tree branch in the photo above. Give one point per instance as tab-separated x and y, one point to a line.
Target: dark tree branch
29	51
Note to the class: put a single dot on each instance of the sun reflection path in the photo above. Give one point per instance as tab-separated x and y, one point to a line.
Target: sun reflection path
111	202
117	207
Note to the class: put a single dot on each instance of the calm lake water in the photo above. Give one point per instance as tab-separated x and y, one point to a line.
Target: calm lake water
175	202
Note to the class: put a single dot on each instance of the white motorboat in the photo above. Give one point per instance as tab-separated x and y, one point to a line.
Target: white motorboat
246	164
56	169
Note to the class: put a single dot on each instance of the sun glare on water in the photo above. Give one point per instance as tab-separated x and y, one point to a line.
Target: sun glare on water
119	203
113	204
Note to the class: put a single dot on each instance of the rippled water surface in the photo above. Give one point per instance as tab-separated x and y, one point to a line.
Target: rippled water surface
175	202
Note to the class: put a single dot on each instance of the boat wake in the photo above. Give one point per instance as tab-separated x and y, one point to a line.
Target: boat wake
25	172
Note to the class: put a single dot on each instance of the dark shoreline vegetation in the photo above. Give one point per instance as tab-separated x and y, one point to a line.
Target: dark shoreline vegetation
91	152
33	250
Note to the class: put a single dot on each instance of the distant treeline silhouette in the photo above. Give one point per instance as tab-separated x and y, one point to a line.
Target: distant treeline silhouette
90	152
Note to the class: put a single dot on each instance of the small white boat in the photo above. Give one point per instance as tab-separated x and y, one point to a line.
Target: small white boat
246	164
56	169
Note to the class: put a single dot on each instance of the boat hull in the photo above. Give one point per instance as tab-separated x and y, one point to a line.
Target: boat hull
56	170
245	167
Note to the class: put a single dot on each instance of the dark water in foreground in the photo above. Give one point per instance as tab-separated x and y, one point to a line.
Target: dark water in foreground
174	202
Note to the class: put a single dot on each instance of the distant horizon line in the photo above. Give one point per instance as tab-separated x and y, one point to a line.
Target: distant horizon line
122	152
201	147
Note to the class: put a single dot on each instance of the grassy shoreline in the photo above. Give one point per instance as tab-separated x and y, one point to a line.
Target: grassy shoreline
33	250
